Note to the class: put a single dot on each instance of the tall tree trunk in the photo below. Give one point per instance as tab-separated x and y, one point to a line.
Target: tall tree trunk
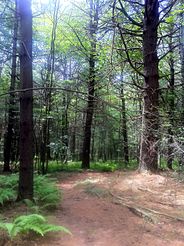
93	26
73	135
45	143
89	116
25	189
124	128
171	101
150	117
182	61
64	130
181	158
8	138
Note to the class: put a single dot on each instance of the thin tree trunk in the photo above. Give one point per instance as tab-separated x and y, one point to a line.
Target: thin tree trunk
8	138
73	136
171	100
45	143
124	128
64	130
182	61
25	189
181	158
150	117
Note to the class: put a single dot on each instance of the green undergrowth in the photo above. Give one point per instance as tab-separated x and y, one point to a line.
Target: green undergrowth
175	165
25	224
46	194
76	167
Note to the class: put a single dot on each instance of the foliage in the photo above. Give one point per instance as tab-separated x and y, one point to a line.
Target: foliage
46	193
8	181
104	167
7	195
8	187
33	222
76	166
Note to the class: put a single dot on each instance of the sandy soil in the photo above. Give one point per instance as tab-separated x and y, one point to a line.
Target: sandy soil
117	209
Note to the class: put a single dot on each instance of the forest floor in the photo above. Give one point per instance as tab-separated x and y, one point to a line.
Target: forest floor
117	209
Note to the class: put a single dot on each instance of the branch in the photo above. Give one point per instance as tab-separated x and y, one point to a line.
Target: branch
134	2
122	9
76	34
132	32
168	52
170	6
41	88
127	54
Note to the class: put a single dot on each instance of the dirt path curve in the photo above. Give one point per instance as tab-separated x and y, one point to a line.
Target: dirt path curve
95	219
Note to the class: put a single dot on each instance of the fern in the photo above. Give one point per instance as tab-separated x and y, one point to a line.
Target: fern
9	181
8	187
7	194
46	192
33	222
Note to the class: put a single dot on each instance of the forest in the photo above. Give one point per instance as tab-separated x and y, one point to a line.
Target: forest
92	122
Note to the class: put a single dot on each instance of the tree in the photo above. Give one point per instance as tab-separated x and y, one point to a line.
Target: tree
10	131
93	27
150	116
25	190
145	30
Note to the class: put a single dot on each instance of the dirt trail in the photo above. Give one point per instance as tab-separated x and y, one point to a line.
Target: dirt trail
96	218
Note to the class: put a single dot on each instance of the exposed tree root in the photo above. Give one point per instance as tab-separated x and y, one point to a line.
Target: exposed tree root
146	213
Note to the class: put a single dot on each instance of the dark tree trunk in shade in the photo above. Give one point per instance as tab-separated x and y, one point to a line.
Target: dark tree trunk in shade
64	130
89	118
182	60
8	138
73	135
171	102
150	117
25	189
124	128
93	26
181	158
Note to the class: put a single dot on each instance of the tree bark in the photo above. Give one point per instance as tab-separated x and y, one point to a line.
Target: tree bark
64	130
150	117
25	189
171	101
182	61
124	127
8	138
93	26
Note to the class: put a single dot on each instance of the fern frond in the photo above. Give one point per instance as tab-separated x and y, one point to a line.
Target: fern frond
33	222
